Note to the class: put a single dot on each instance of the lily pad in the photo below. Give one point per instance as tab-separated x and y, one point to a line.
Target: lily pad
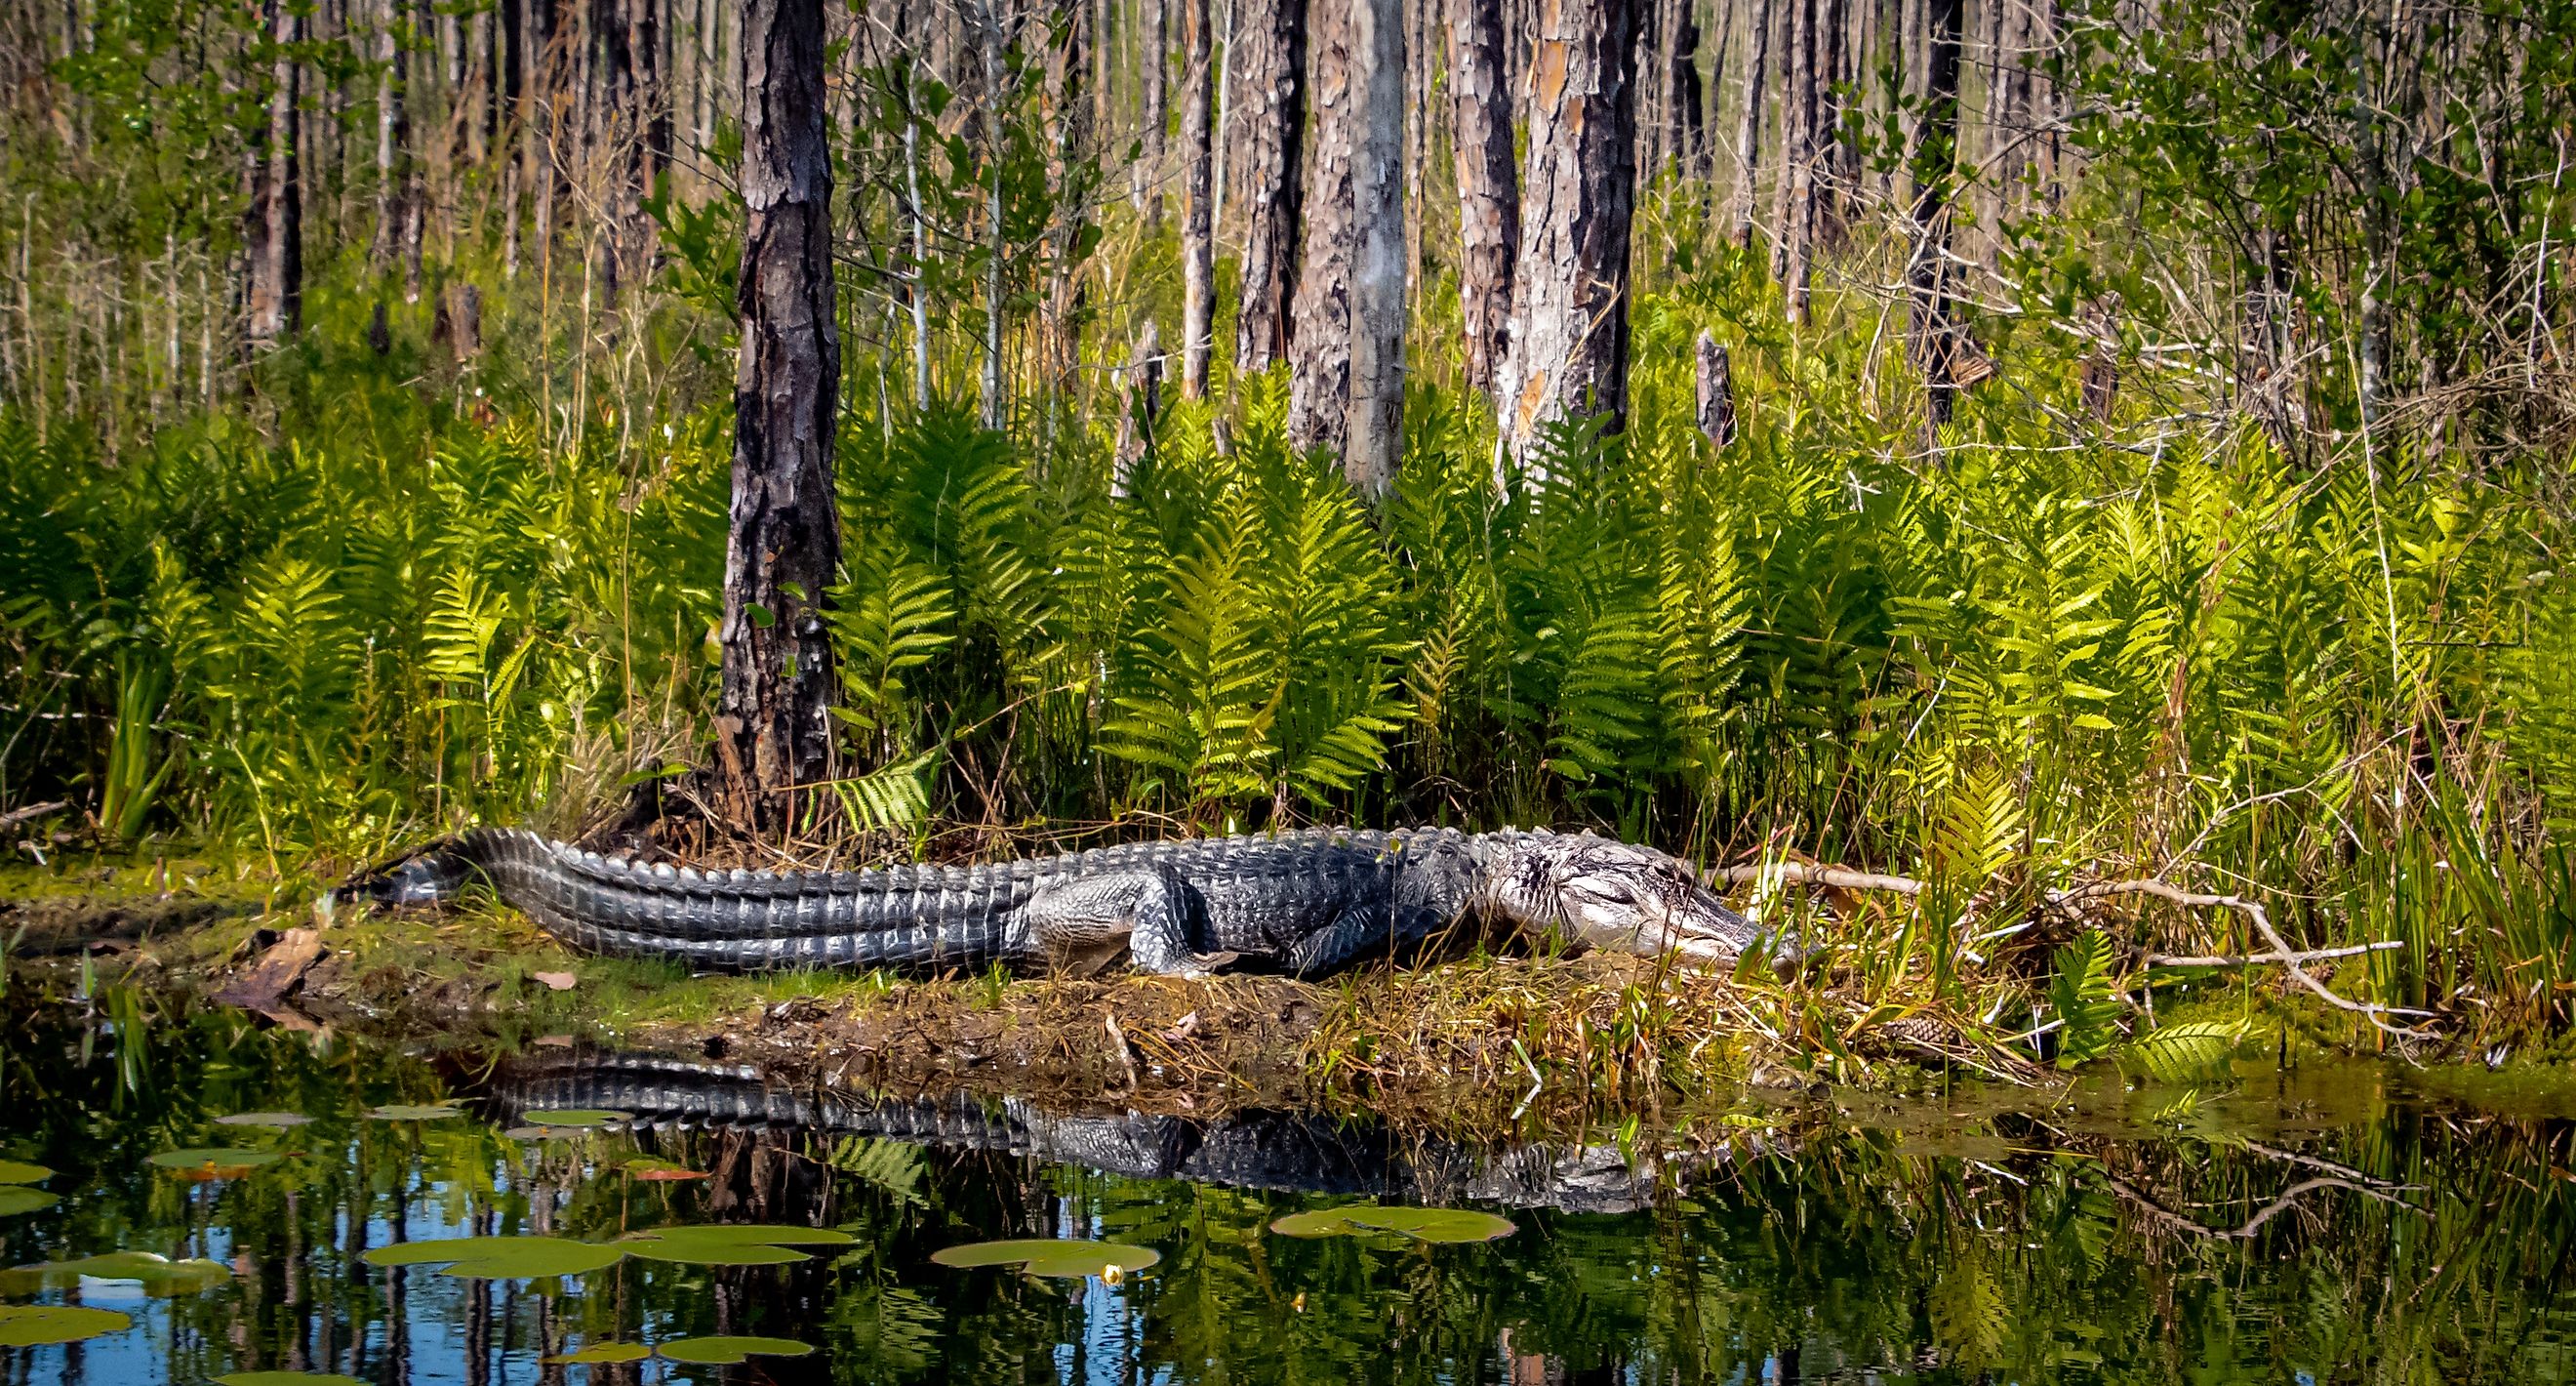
724	1352
660	1172
19	1172
24	1325
287	1379
17	1198
542	1133
276	1120
737	1244
579	1118
158	1275
406	1111
501	1258
598	1353
213	1163
1421	1224
1049	1256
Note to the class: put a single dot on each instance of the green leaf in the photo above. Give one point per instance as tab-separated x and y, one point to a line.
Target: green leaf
1069	1259
39	1325
404	1111
2194	1047
19	1172
725	1352
578	1118
2081	994
730	1245
1420	1224
501	1258
158	1275
16	1199
602	1354
214	1162
276	1120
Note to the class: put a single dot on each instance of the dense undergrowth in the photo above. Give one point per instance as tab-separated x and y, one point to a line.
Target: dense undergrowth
2060	649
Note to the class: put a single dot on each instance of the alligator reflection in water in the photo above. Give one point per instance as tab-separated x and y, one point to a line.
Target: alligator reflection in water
1946	1243
1289	1152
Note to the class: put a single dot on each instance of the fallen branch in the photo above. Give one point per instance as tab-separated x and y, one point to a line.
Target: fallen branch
2254	1224
2292	959
30	813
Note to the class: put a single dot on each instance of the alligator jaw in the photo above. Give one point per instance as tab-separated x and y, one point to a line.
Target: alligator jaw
1603	893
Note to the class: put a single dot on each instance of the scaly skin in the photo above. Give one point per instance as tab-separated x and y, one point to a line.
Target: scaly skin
1278	1150
1304	902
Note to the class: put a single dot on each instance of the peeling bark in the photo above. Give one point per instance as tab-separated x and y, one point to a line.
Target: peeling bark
1319	380
273	223
1489	192
773	723
1569	344
1272	110
1936	157
1198	191
1376	426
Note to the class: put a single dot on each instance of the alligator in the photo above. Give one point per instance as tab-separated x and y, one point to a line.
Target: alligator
1277	1150
1305	902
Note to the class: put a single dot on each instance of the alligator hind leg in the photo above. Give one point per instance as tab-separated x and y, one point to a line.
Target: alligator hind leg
1154	911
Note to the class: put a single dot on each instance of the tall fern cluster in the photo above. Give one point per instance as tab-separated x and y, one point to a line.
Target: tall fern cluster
2059	648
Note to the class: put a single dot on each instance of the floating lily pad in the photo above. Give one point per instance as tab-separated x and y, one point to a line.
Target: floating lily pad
660	1172
287	1379
1421	1224
158	1275
1048	1256
738	1244
724	1352
599	1353
19	1172
542	1133
406	1111
24	1325
17	1198
500	1258
213	1163
276	1120
579	1118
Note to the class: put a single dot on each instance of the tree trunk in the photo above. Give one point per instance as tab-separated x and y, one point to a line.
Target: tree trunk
393	133
1198	191
1272	110
273	223
1796	219
1569	351
1153	56
1489	193
1936	160
1378	309
1319	378
1748	129
773	725
996	98
1716	414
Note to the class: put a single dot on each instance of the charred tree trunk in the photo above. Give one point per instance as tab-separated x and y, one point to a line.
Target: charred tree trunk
1682	135
1489	193
273	222
1319	378
1153	56
1272	110
1748	128
1569	350
1198	193
1376	428
773	725
1936	161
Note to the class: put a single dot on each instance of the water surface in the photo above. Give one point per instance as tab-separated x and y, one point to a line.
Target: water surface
2317	1225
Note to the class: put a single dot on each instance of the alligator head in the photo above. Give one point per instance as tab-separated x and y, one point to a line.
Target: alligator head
1603	893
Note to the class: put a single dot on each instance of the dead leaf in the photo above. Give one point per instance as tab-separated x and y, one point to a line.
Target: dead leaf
554	1041
559	981
276	973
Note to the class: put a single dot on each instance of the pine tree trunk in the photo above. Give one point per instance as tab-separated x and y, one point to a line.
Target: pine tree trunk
1272	111
1935	167
273	223
1154	54
1569	352
1796	218
1198	191
393	132
1319	378
995	100
773	724
1489	191
1748	129
1380	271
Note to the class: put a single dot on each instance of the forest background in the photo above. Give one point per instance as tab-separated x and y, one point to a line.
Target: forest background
2011	445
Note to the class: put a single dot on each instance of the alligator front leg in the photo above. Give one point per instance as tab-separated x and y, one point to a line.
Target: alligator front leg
1152	910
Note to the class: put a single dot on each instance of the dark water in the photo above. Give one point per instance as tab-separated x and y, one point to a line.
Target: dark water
2324	1225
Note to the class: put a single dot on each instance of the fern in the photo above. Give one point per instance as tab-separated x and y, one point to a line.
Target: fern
2081	994
2194	1047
